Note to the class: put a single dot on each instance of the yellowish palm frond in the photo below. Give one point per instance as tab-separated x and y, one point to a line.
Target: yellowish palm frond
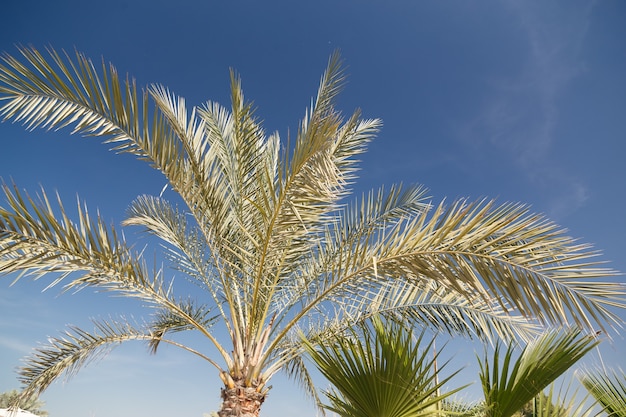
429	304
522	261
67	354
37	240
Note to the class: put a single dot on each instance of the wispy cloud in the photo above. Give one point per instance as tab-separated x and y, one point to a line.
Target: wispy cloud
16	345
522	112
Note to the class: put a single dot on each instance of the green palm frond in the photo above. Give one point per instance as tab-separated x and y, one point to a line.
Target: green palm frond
608	388
561	403
509	383
385	374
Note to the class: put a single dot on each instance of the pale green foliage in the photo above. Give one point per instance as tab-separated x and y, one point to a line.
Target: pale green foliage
608	388
510	383
555	402
268	235
30	403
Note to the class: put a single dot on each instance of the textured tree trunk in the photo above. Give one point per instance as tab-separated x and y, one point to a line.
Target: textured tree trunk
241	401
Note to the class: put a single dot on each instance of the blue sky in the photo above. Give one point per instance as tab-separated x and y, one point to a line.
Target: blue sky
521	101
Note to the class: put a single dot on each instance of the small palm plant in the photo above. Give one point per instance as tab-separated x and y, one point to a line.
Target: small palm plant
382	372
560	403
510	384
609	390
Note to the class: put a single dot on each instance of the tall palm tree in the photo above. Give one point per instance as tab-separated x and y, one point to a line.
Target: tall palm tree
265	232
381	371
510	383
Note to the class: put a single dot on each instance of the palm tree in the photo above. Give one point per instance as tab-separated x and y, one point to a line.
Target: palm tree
609	390
268	236
509	384
381	371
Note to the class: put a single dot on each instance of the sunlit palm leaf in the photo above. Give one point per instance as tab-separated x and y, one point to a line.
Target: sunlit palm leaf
429	304
561	403
170	321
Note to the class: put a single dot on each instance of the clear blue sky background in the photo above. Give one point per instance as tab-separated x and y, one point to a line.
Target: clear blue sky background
519	100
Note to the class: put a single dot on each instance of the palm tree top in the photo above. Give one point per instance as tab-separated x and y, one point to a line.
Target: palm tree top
266	230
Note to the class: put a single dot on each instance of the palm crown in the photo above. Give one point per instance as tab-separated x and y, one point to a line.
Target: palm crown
265	232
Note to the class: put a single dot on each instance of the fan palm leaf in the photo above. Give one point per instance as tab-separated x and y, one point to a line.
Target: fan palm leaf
509	383
380	372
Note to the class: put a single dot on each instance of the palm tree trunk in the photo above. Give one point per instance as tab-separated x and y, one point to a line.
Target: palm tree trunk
241	401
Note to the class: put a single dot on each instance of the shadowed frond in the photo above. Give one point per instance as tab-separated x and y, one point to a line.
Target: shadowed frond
509	383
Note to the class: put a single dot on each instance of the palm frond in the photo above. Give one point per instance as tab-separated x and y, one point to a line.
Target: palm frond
59	92
37	240
509	383
429	304
560	402
356	223
608	388
185	248
524	262
297	370
171	321
67	354
386	373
